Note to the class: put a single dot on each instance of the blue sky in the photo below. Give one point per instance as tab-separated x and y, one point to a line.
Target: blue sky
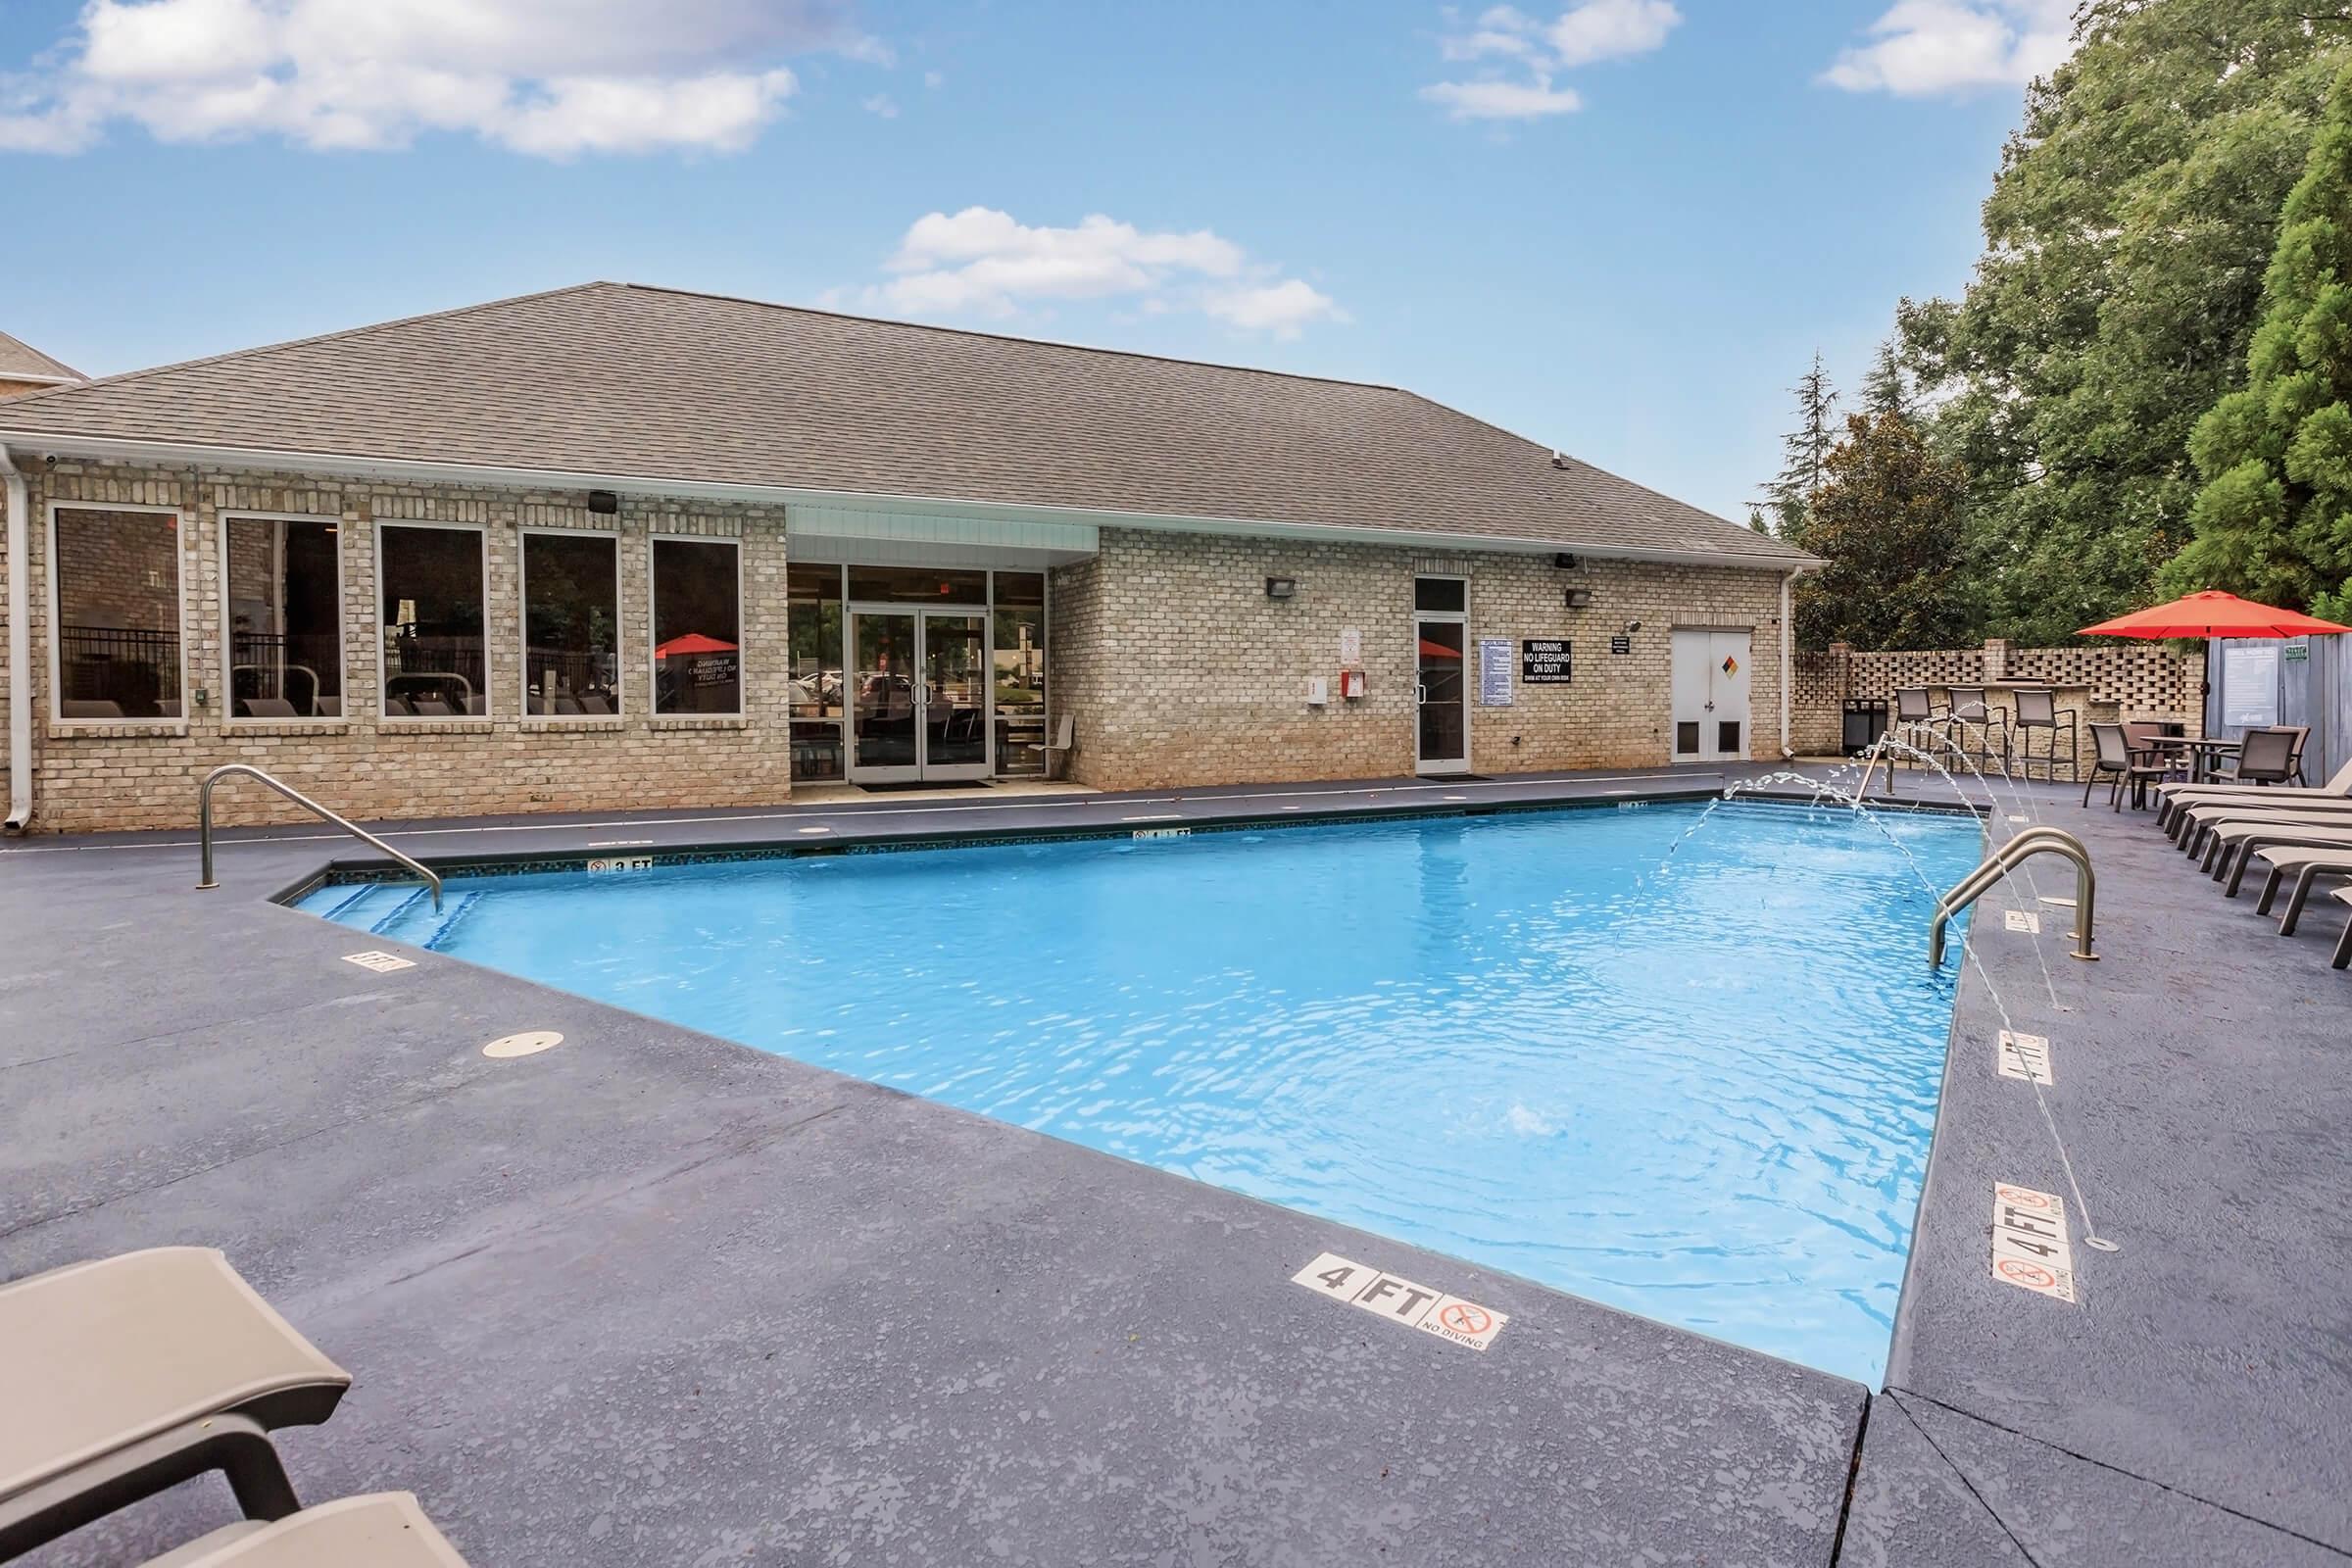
1617	226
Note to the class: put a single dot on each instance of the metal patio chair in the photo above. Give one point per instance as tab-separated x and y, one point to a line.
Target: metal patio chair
2117	760
2037	709
1978	730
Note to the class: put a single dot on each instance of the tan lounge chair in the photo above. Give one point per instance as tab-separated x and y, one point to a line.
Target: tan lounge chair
2343	944
126	1375
2171	796
382	1530
2306	867
2197	821
2235	844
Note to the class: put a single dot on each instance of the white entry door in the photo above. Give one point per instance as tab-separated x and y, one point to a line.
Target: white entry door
1710	696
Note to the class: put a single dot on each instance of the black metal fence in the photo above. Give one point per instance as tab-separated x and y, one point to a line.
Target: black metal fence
135	668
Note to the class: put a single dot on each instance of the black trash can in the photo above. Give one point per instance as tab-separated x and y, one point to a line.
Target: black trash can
1865	723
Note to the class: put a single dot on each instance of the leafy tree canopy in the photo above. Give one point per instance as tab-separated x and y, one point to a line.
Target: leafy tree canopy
2126	238
1886	518
2275	518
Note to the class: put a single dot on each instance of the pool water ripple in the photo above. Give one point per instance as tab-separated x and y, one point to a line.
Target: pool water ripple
1694	1080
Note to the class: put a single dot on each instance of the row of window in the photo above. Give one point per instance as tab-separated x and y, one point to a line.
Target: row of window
115	607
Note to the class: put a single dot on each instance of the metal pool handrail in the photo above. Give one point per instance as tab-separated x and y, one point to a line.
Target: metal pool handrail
204	825
2031	842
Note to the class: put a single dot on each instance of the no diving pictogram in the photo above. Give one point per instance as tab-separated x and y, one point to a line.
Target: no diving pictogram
1464	1318
2031	1275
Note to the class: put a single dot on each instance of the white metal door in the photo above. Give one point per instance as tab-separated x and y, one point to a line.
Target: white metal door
1710	694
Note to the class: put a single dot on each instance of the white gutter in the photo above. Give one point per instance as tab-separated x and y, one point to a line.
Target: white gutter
19	646
177	454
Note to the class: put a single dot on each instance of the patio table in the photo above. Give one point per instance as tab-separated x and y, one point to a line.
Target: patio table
2204	755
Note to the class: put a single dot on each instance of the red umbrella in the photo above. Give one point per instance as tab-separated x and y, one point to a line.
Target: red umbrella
2211	614
1429	649
694	642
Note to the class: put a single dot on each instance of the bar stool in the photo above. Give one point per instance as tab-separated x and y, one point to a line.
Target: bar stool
1913	706
1969	711
2037	709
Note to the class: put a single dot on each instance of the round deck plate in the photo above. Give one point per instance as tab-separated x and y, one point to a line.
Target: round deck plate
528	1043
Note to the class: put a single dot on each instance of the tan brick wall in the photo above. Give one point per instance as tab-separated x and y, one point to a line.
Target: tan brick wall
1180	670
145	775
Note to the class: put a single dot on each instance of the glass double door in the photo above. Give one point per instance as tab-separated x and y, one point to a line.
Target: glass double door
918	694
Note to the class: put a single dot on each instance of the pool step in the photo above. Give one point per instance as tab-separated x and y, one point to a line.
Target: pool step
446	922
365	906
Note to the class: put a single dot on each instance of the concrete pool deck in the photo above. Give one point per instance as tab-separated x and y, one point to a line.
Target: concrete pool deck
651	1296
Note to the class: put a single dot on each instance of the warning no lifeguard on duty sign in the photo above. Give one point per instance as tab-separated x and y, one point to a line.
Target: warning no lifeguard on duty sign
1400	1301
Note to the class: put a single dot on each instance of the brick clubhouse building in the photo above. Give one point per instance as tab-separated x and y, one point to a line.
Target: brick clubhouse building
617	547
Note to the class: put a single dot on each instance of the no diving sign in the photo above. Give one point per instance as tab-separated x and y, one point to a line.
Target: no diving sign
1400	1301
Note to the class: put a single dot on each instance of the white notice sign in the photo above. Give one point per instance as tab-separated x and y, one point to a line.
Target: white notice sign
1352	647
1494	673
2025	1058
1400	1300
2028	1241
2249	684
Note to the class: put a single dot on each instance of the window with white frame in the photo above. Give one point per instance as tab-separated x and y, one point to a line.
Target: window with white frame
115	585
284	610
430	595
698	626
571	624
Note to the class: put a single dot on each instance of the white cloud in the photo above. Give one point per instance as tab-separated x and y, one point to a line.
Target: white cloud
1523	54
1922	48
1281	309
881	104
981	262
550	78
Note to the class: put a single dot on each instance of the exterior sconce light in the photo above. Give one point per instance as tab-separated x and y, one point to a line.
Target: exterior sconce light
1579	599
604	503
1282	587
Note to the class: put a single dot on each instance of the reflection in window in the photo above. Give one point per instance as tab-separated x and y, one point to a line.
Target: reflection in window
813	623
571	624
435	657
698	631
1021	672
917	585
285	619
118	613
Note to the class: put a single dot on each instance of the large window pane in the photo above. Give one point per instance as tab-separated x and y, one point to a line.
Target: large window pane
917	585
435	659
814	616
1019	643
698	631
570	623
118	613
285	619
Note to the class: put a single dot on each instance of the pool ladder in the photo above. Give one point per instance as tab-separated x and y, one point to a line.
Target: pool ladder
2031	842
204	825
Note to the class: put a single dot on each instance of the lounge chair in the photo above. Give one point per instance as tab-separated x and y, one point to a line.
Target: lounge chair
2118	760
266	707
1057	750
2192	824
88	708
2306	867
2170	798
126	1375
2234	843
2343	944
382	1530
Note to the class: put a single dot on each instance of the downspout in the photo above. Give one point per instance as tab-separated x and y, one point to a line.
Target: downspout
19	646
1787	657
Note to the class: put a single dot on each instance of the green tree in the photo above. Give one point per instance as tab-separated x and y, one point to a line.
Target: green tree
2275	518
1803	450
2125	239
1887	520
1886	387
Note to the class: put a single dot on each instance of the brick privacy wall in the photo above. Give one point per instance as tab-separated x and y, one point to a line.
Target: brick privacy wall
145	775
1179	669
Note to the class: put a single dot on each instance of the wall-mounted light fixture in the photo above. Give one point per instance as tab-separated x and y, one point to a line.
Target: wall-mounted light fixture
1579	599
1282	587
604	503
1566	562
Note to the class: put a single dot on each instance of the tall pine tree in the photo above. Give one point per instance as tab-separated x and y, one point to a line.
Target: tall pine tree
2275	518
1804	450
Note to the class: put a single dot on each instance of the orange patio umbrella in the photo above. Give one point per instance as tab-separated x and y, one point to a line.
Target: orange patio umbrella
694	642
2213	613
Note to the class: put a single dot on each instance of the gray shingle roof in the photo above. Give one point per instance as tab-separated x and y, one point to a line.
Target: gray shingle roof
20	360
630	381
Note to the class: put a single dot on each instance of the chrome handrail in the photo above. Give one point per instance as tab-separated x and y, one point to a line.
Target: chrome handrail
2031	842
204	825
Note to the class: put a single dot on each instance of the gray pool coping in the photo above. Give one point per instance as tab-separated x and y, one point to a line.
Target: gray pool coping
651	1297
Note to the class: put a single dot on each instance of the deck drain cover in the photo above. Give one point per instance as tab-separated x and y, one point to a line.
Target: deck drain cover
528	1043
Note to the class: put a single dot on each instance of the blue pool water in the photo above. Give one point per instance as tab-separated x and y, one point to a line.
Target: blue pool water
1693	1075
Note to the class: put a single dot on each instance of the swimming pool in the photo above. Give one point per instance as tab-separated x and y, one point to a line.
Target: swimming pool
1691	1074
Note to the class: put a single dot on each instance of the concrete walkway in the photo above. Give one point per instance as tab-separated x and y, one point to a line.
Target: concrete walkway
655	1297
